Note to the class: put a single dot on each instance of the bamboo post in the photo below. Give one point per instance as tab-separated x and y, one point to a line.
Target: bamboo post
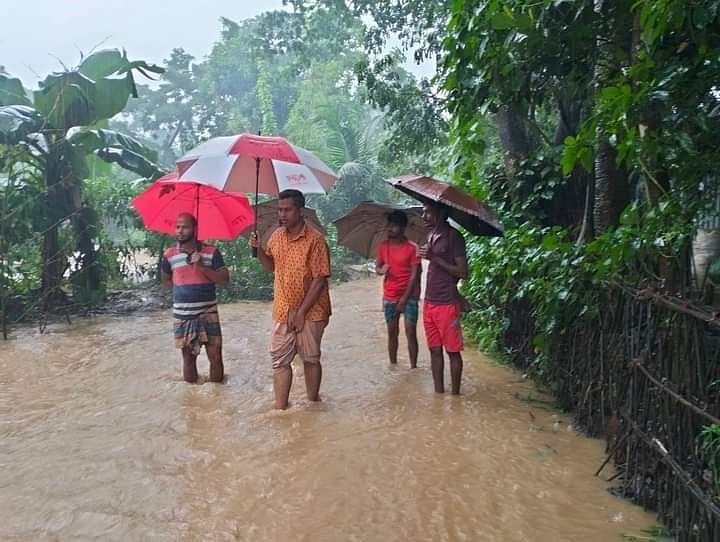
4	267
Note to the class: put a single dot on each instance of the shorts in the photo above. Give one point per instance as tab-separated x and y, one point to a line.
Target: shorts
286	344
442	326
204	329
411	312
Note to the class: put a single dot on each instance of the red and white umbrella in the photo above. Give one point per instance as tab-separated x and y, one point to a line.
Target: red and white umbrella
253	163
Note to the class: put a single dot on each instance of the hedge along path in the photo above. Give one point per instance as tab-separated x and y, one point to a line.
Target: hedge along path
646	373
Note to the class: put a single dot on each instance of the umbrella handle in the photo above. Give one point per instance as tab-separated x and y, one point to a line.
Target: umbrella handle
254	249
257	183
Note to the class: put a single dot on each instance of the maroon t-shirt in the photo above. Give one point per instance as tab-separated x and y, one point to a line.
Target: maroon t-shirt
441	286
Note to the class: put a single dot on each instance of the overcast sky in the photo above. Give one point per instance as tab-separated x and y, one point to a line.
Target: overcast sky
35	33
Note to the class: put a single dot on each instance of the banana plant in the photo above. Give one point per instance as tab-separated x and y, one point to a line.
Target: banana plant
62	127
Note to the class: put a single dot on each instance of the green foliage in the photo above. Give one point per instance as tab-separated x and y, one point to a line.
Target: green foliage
97	90
12	91
656	533
268	122
560	279
658	113
710	442
533	89
53	145
248	280
509	51
414	113
335	124
17	122
20	205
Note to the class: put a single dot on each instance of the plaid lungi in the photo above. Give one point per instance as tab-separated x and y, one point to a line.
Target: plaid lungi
204	329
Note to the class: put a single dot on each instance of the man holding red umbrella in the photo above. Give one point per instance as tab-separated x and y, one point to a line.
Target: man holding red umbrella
192	269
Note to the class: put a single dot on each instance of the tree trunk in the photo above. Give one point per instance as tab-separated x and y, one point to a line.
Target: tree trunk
85	227
516	143
4	263
612	193
587	230
570	110
52	269
53	259
566	208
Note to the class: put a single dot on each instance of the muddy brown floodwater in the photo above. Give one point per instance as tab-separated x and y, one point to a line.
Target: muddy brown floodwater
101	439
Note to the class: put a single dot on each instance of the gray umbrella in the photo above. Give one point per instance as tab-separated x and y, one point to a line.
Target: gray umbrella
365	227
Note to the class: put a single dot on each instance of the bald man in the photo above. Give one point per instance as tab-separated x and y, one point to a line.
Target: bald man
193	269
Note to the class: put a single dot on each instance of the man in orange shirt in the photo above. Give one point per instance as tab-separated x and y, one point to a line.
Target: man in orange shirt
398	261
299	256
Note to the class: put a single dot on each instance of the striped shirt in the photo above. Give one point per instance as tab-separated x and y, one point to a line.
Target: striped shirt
193	292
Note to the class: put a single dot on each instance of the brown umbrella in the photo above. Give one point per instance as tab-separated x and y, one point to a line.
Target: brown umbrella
475	216
365	227
267	214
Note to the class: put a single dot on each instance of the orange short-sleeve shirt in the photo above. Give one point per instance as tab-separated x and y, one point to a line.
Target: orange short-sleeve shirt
298	260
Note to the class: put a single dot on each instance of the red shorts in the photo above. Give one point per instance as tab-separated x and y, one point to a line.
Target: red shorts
442	326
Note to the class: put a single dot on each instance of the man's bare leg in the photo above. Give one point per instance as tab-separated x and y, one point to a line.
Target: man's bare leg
456	367
217	369
282	380
437	363
411	334
393	327
190	373
313	377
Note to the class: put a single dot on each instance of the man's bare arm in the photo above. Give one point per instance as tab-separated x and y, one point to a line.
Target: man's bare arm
166	280
266	260
316	288
411	285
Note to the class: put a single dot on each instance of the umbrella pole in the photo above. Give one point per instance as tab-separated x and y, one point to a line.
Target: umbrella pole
197	212
257	187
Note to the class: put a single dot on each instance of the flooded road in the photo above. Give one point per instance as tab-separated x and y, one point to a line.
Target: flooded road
101	439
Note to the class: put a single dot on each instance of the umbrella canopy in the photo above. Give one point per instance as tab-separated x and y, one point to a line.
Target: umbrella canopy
267	213
253	163
473	215
220	215
365	227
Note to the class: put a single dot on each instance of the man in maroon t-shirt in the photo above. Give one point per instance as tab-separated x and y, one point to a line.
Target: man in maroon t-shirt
445	252
398	260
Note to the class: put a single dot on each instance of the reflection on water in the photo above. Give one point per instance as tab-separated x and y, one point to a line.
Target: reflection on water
101	439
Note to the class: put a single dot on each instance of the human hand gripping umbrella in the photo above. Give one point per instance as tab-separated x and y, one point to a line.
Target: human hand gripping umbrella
228	163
